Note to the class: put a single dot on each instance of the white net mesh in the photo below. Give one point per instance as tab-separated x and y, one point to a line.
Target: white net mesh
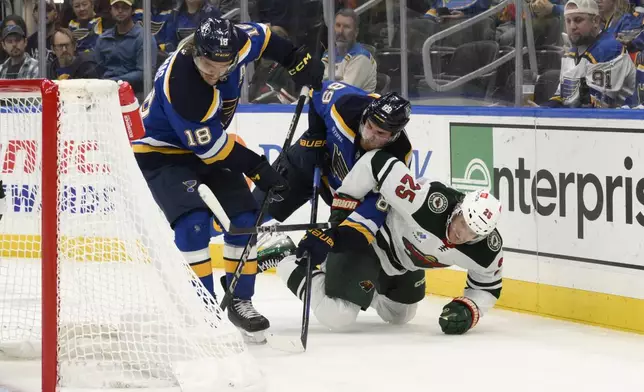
131	312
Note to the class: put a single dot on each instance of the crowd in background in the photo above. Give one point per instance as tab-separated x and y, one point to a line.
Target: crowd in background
104	39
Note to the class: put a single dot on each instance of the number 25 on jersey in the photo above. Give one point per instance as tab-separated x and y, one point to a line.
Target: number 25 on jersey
406	190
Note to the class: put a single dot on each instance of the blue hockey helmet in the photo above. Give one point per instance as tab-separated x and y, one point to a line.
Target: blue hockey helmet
217	40
390	112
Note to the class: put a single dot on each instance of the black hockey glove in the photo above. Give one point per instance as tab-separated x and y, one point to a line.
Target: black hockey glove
306	70
317	243
266	177
3	201
459	316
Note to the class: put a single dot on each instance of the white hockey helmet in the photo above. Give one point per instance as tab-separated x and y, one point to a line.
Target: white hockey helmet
481	211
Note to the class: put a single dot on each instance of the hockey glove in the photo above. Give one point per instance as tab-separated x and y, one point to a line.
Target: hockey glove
267	178
342	207
306	70
317	243
459	316
3	201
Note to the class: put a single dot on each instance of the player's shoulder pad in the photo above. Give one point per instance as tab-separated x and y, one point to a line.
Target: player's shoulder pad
401	148
253	38
190	96
485	251
351	106
605	49
451	195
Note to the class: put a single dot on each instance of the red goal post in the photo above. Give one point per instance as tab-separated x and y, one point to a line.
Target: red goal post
90	280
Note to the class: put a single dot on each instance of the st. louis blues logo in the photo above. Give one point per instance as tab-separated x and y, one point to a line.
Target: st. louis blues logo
190	185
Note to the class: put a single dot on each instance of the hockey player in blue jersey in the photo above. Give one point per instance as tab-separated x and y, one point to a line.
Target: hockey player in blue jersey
344	123
195	96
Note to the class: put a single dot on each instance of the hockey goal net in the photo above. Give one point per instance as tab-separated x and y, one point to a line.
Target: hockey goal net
91	284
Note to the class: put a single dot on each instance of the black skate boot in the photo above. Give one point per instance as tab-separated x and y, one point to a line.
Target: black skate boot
271	249
252	324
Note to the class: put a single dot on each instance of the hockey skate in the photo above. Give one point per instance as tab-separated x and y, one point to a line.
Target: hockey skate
271	249
249	321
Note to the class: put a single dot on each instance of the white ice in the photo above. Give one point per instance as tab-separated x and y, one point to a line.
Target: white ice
507	351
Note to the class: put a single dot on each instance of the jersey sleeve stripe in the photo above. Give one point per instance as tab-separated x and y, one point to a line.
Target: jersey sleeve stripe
366	222
214	106
359	228
382	164
154	142
267	37
342	126
144	149
408	157
223	153
244	51
166	78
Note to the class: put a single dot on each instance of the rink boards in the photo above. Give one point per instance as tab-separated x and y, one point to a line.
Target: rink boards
572	189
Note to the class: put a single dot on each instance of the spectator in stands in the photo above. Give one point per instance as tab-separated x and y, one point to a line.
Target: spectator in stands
86	27
19	65
353	63
119	51
546	24
67	64
185	19
161	13
458	9
51	24
225	6
597	72
10	20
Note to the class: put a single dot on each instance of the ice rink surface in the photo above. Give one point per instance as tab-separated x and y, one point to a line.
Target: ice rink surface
507	351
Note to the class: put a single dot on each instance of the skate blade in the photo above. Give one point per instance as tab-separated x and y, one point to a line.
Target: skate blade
258	337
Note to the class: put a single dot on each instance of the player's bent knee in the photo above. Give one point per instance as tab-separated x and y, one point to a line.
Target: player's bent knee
192	231
394	312
244	219
336	314
402	315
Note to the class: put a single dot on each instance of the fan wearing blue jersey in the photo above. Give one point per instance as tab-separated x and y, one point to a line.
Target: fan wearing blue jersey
195	96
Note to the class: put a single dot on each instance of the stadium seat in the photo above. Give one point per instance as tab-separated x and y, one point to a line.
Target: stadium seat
546	86
382	83
468	58
549	57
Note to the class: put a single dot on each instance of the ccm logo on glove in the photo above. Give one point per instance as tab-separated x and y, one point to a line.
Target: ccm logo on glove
300	66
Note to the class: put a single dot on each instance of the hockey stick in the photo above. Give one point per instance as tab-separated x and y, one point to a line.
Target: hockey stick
228	296
286	343
213	203
306	307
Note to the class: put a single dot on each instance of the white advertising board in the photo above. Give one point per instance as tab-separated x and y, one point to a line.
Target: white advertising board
573	197
585	175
